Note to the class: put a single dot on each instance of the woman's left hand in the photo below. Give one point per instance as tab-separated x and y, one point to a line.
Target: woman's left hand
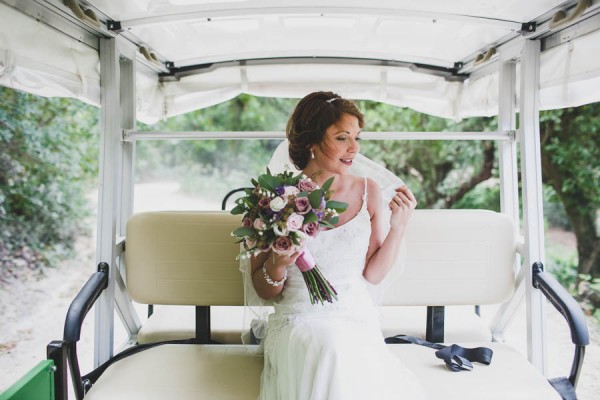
402	206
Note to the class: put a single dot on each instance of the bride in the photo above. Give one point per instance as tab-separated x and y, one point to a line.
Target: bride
336	350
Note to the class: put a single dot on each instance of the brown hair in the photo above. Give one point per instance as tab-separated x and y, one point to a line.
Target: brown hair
312	116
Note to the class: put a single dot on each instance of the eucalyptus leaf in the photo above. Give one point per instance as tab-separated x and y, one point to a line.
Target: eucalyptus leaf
243	231
239	209
327	184
338	206
315	199
310	217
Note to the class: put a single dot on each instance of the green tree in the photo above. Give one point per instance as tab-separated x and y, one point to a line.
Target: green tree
213	167
48	156
570	140
440	173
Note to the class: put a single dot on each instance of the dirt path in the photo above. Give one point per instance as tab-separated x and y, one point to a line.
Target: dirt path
33	312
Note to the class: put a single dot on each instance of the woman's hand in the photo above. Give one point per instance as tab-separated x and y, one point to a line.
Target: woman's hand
276	263
402	206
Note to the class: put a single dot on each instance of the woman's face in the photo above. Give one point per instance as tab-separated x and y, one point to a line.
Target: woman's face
339	146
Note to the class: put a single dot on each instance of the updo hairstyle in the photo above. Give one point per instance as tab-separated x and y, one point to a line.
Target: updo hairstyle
312	116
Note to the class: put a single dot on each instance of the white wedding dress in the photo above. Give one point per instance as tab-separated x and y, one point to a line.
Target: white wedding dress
333	351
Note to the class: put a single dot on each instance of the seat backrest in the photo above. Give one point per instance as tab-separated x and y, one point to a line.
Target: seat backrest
189	258
456	257
183	258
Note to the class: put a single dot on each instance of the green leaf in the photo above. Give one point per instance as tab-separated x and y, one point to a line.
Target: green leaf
334	220
327	184
310	217
315	199
239	209
326	224
338	206
269	182
243	231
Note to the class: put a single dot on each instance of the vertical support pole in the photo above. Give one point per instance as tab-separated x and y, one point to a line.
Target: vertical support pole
529	136
128	119
110	159
125	308
509	188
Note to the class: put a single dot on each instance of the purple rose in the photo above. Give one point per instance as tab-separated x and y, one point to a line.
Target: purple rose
280	190
247	222
307	185
311	229
302	205
294	222
283	245
264	202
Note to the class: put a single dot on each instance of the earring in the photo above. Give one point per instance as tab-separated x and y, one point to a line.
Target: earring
312	154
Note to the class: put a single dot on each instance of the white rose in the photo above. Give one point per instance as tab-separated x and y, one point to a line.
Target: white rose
290	190
279	231
277	204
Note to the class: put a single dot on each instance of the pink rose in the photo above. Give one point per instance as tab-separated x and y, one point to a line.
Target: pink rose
259	224
302	205
307	185
311	229
247	222
283	245
264	202
294	222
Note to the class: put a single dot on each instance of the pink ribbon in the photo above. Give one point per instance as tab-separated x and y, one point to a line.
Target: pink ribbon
305	261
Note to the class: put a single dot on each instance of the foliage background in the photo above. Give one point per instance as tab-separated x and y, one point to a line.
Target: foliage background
48	163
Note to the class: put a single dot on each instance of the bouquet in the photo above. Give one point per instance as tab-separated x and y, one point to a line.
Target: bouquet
280	213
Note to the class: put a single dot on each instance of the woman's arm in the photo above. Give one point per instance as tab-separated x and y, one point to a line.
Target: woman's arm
383	250
275	268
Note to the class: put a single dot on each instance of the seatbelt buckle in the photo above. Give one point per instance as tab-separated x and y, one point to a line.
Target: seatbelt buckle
457	363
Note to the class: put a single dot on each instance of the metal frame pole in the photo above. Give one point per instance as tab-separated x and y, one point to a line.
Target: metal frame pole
531	178
110	158
508	171
125	309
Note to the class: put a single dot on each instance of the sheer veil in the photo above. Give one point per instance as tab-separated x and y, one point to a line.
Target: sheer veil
257	308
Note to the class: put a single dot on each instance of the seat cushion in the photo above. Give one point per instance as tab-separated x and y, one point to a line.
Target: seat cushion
215	372
183	372
509	376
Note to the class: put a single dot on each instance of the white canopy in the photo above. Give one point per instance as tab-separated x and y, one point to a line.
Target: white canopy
411	54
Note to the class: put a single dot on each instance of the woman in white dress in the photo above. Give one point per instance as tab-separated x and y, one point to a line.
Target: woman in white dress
336	350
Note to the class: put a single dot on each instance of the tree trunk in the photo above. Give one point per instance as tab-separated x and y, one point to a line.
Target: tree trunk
562	159
484	173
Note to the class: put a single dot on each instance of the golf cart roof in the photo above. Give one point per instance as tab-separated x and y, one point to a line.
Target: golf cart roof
435	56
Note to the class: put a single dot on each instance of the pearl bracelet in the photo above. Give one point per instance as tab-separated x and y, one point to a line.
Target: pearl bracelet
271	281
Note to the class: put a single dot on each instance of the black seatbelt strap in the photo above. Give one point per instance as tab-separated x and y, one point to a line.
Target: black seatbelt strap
457	358
93	376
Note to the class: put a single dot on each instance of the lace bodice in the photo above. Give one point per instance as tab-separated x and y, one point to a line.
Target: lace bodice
340	254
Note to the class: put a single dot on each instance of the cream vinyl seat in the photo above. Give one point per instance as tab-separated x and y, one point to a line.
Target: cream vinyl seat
461	233
455	257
